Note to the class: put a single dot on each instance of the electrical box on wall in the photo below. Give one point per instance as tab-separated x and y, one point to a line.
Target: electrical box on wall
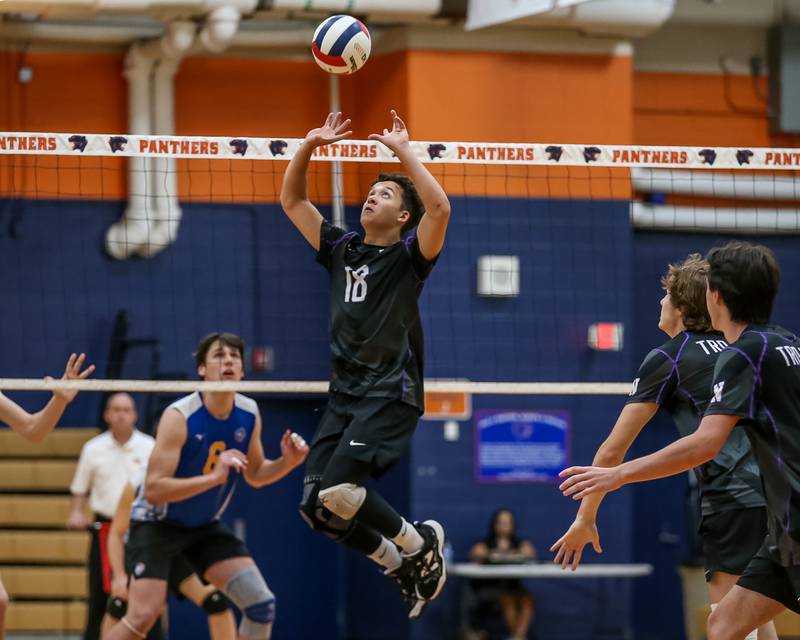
783	53
498	276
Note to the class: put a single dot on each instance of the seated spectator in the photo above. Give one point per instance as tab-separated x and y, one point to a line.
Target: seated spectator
502	546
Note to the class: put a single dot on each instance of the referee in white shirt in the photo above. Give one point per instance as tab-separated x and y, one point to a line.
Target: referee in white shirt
107	463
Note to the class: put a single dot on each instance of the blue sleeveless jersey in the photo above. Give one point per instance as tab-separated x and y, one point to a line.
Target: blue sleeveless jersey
206	438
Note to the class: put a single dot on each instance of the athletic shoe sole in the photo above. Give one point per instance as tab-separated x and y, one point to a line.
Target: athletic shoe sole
440	546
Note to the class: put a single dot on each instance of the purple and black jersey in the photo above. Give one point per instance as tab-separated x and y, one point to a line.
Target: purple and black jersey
677	376
377	347
758	379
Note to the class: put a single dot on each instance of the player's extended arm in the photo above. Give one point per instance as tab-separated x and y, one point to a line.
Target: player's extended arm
294	191
262	471
161	485
433	226
682	455
116	536
36	426
631	420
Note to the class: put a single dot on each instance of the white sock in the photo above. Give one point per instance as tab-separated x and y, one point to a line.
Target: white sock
408	539
387	555
752	635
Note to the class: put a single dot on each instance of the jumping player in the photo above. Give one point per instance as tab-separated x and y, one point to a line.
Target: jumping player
376	390
677	377
201	439
756	384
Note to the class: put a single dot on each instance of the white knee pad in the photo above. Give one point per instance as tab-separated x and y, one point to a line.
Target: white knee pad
249	591
344	499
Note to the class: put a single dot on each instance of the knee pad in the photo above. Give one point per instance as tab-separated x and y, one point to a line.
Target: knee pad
343	500
116	607
320	518
249	591
215	602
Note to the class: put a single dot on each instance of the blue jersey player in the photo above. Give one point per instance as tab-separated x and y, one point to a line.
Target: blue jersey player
204	442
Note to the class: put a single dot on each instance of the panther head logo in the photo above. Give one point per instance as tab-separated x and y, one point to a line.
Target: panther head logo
743	156
709	156
117	143
590	154
278	147
436	150
239	147
554	152
78	142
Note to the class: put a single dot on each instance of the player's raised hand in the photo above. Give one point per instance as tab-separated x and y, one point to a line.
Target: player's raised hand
72	372
583	481
397	137
569	547
294	448
333	130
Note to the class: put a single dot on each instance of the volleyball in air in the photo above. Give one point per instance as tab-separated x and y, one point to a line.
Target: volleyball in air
341	45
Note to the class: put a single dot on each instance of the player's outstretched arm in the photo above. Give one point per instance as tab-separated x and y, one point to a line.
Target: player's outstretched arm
569	547
36	426
263	471
294	191
433	226
682	455
116	542
162	486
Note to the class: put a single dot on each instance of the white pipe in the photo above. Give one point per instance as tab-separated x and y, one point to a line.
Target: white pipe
197	7
766	221
337	179
220	27
361	7
124	237
717	184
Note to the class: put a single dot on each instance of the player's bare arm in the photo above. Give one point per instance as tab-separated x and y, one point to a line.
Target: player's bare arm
262	471
583	531
161	485
682	455
294	191
36	426
116	542
433	225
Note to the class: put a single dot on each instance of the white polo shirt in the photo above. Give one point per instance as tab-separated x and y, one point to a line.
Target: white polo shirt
106	466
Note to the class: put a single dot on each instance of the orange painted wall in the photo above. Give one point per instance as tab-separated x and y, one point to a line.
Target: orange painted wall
703	110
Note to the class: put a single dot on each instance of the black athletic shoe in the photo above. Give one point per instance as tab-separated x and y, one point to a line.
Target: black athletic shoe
429	565
405	577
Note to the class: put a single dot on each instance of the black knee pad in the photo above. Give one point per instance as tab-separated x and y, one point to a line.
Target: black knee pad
116	607
318	517
215	602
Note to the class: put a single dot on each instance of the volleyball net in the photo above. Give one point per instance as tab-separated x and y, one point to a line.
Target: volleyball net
131	248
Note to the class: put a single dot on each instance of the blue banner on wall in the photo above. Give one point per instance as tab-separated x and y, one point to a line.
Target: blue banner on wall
521	446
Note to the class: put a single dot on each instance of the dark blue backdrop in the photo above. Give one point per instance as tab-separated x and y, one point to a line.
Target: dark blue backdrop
245	269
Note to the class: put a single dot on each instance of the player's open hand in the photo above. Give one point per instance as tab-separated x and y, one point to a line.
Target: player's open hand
583	481
294	448
333	130
229	459
569	547
72	372
395	138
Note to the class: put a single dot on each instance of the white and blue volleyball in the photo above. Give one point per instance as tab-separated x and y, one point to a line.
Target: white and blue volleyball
341	45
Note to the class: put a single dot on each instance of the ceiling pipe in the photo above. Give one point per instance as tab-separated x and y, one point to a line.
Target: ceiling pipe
151	218
220	27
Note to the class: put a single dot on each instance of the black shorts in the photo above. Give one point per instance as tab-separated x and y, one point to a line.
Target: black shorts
372	431
153	548
732	538
769	578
